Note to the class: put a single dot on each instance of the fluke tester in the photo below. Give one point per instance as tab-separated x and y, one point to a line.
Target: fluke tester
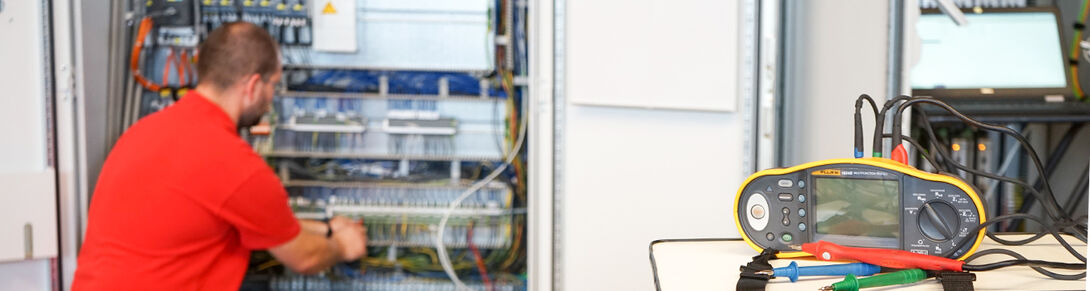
871	202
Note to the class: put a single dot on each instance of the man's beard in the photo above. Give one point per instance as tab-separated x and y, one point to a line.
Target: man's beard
251	116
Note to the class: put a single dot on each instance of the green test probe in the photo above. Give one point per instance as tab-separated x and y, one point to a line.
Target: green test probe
850	283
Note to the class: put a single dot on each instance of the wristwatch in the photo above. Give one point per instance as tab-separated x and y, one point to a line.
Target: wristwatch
328	228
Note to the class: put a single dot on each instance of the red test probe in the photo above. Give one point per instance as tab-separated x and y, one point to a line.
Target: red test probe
896	259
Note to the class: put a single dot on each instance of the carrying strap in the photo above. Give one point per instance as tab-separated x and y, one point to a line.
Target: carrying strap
956	281
749	279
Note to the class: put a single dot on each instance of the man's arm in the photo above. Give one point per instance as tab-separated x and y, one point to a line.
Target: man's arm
314	226
260	212
311	252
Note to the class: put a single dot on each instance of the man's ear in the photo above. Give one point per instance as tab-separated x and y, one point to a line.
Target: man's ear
250	89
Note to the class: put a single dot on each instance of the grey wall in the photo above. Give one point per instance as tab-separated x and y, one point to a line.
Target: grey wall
833	51
94	64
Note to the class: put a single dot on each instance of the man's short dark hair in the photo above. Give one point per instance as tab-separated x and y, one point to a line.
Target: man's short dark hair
234	51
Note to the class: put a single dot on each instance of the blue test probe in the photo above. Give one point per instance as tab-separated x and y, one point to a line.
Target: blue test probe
793	271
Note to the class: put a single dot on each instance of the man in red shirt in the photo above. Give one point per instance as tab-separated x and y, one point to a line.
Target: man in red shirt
182	199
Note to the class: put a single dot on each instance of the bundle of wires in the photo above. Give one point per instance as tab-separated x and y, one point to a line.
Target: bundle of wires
183	61
1058	221
513	155
509	159
134	60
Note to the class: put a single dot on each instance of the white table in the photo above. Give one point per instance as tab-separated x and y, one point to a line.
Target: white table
712	264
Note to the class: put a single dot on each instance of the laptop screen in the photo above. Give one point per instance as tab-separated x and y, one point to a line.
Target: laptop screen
996	50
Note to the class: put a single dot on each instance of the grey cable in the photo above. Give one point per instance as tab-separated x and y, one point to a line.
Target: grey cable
444	258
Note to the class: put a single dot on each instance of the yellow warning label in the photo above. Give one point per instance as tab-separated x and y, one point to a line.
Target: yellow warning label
247	3
265	3
329	8
827	172
297	7
281	6
207	2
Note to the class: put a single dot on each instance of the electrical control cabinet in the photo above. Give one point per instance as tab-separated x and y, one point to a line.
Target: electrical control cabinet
415	121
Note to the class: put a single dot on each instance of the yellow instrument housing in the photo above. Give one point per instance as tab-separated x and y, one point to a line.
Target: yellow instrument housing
881	163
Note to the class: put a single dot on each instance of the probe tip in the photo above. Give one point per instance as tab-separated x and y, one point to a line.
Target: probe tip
765	272
795	247
826	288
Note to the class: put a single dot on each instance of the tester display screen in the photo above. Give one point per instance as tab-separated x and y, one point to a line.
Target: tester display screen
857	207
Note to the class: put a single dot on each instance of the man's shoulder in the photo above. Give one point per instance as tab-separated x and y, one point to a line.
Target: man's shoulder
170	135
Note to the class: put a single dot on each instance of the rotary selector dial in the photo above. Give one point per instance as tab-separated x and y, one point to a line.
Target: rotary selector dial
938	220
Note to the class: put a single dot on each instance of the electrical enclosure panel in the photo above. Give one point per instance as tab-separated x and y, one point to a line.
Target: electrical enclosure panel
171	12
334	26
445	35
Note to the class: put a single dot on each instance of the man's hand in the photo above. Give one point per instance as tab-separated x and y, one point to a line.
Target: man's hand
311	252
350	236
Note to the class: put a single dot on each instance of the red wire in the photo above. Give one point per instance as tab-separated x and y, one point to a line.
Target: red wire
182	61
134	60
166	67
477	257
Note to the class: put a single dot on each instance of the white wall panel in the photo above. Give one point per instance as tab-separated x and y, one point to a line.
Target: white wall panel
634	176
22	106
654	54
663	157
28	225
27	197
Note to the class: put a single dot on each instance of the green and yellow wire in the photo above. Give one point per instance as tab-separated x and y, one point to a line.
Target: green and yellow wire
1074	51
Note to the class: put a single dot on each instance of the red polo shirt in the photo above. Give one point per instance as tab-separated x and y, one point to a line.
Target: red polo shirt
180	203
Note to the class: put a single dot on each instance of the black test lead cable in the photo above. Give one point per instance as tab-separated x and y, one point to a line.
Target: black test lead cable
880	123
1050	167
1079	233
1053	231
1000	178
945	156
1025	144
859	122
1039	269
1050	230
1064	218
1020	261
930	156
1064	223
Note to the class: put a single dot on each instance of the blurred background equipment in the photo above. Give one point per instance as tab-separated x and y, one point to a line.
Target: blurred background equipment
1015	65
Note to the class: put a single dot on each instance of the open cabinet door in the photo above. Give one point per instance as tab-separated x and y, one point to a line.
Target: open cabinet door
656	130
28	197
